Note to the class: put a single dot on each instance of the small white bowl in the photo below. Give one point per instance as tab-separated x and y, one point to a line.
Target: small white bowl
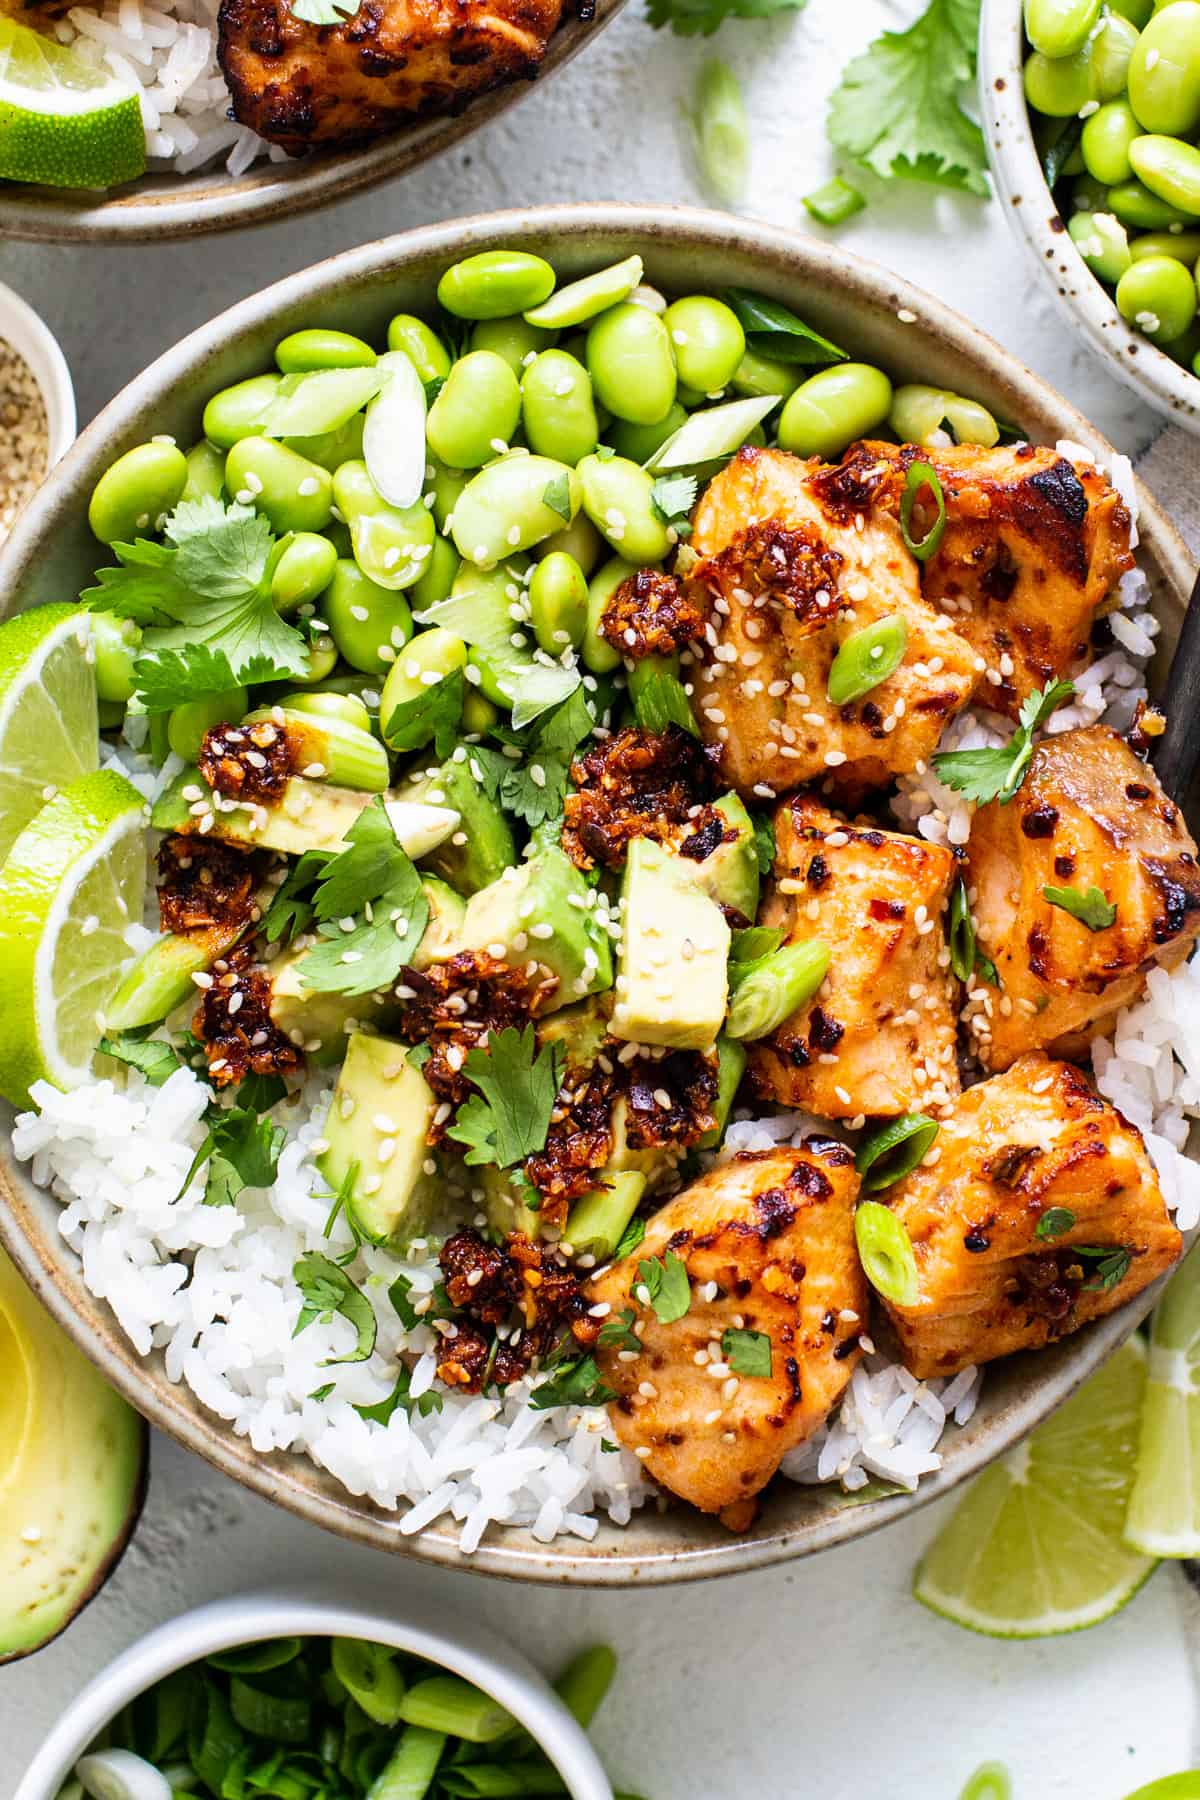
1030	207
450	1641
32	338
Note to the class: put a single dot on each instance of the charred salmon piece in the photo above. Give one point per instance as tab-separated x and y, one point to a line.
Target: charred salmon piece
1089	814
879	1038
299	84
774	1285
1031	551
1040	1211
786	582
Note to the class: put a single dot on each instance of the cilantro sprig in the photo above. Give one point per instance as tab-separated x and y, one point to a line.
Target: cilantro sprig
372	888
326	1290
533	786
996	774
747	1352
509	1117
1090	905
665	1285
241	1148
435	715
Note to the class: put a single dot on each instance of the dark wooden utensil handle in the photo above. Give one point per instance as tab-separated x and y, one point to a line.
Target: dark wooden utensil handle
1177	752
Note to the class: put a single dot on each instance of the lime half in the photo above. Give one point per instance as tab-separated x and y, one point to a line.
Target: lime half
1164	1508
48	728
71	886
63	121
1036	1546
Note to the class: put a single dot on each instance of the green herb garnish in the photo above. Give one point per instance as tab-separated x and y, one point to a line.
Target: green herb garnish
996	774
1089	905
434	715
574	1383
152	1057
327	1290
374	883
619	1331
507	1120
1054	1222
666	1285
1112	1264
747	1352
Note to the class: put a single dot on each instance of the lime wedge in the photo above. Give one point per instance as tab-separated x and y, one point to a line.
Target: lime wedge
1035	1548
68	892
48	729
1164	1507
63	121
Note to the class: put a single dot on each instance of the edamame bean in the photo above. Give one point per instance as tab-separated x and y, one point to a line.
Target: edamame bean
391	543
303	570
428	659
757	376
598	654
476	413
321	662
690	398
422	346
1103	243
1184	246
187	724
558	603
328	705
1088	195
511	339
1112	51
495	283
1059	87
368	623
1059	27
513	503
238	411
206	473
133	494
438	578
1169	169
579	539
1158	295
1141	210
1136	11
1164	71
1105	143
332	448
478	714
618	499
832	408
445	485
293	493
558	409
708	341
322	348
631	364
639	442
116	644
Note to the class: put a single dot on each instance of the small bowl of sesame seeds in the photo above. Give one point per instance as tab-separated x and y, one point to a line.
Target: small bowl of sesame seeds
37	405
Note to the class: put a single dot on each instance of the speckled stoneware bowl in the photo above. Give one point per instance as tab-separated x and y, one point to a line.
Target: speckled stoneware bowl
875	315
1021	187
157	207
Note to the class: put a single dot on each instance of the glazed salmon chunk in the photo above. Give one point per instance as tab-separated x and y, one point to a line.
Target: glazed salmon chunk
789	574
1091	824
1037	1210
879	1038
711	1401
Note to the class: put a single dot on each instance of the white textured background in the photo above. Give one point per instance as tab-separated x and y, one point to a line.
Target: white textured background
822	1678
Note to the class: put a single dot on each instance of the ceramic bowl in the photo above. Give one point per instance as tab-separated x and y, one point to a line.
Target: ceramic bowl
453	1643
32	339
1021	188
876	316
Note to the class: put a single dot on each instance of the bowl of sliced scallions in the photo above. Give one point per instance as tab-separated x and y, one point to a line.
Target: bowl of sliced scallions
321	1698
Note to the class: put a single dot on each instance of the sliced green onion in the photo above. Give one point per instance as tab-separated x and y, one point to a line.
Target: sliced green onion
598	1219
921	475
895	1150
712	433
120	1775
776	987
214	1736
990	1782
886	1253
582	300
834	203
659	697
408	1774
510	1781
866	658
371	1675
285	1718
1184	1786
962	932
319	400
444	1703
722	135
256	1659
586	1679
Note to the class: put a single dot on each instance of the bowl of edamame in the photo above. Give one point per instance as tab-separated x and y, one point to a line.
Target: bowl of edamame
375	545
1092	118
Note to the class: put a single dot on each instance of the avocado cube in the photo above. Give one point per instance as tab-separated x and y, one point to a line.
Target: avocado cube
538	911
381	1112
581	1030
483	845
319	1023
308	815
729	873
672	982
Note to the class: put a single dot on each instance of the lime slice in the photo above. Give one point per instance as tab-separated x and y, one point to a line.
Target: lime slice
1035	1548
72	884
63	121
48	728
1164	1507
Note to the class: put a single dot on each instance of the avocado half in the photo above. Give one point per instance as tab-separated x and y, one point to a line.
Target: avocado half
73	1459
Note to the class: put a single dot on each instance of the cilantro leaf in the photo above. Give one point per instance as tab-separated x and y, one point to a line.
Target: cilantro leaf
672	498
1054	1222
660	700
435	714
764	841
667	1286
406	1312
687	18
507	1120
144	587
401	1396
291	909
1090	905
746	1352
898	107
557	496
533	788
373	883
241	1150
574	1383
326	1290
774	331
619	1331
152	1057
1112	1264
996	774
169	678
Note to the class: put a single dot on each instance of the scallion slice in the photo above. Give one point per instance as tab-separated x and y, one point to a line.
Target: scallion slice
922	475
895	1150
886	1253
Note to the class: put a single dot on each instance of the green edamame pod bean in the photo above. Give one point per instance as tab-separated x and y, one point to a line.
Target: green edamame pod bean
513	503
422	346
332	448
391	544
477	410
558	603
303	570
1105	143
708	341
757	376
1058	87
338	533
579	539
598	654
321	661
1184	246
1088	195
445	485
511	339
478	714
495	283
188	723
631	364
1158	295
322	347
1112	51
1164	71
116	644
1059	27
238	411
618	499
438	576
1170	169
324	704
206	472
368	623
1103	243
1138	12
557	407
133	494
293	493
690	398
639	442
832	408
428	659
1141	210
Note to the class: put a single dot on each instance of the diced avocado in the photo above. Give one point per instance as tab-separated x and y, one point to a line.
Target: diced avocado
504	1203
487	847
729	874
442	935
74	1473
731	1066
672	986
320	1023
381	1111
538	911
581	1030
308	815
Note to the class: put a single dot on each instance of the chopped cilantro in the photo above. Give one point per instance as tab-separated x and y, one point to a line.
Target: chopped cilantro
672	498
418	1055
996	774
241	1150
435	713
619	1331
533	788
764	841
152	1057
323	1393
406	1312
373	883
401	1396
574	1383
631	1237
747	1352
1089	905
171	678
291	908
667	1287
557	496
327	1290
507	1120
1054	1222
1112	1264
